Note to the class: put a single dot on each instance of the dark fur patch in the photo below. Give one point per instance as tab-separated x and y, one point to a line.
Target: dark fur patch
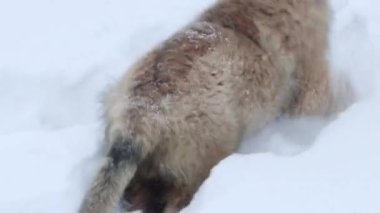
124	150
158	192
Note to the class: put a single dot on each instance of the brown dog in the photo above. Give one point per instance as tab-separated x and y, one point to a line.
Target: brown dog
186	105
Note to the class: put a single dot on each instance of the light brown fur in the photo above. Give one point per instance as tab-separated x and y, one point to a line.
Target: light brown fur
187	104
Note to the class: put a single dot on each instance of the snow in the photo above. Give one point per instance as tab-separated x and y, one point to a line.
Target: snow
58	56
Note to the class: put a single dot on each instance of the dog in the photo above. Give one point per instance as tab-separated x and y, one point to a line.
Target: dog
187	104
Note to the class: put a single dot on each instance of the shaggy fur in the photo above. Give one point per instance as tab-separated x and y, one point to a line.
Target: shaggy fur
187	104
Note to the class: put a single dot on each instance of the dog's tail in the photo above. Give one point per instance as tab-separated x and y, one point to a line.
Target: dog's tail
113	177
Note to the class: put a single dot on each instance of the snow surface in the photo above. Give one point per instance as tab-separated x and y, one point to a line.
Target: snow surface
56	58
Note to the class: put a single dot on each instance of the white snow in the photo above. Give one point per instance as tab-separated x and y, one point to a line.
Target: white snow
56	58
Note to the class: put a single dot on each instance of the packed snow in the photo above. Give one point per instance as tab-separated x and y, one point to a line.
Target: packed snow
57	57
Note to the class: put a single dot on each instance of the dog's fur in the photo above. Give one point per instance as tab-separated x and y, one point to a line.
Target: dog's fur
187	104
